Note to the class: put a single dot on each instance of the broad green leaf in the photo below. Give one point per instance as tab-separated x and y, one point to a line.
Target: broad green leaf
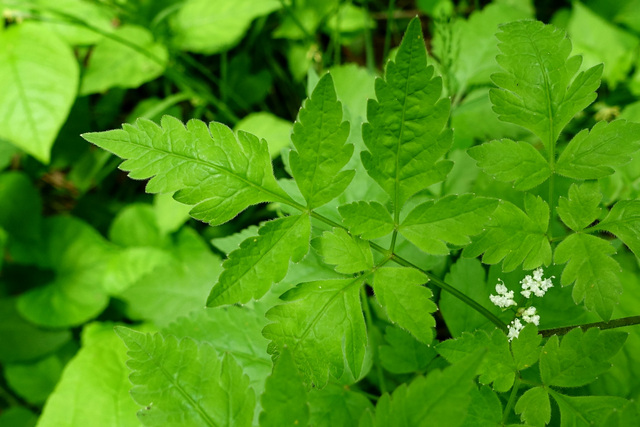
261	261
170	214
513	235
79	255
485	409
515	161
212	168
440	399
497	366
185	383
38	86
212	26
402	353
452	219
580	357
587	411
323	326
132	264
177	287
23	341
594	154
368	219
539	89
284	401
234	330
35	381
526	348
405	134
406	301
349	254
136	225
350	19
534	407
18	416
20	203
468	276
275	130
335	406
94	385
582	206
115	63
590	266
623	220
319	137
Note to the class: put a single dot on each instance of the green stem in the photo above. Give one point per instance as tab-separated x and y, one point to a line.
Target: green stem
296	21
368	40
387	35
617	323
512	400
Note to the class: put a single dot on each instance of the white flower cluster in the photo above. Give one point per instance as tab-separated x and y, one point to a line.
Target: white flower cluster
532	284
536	284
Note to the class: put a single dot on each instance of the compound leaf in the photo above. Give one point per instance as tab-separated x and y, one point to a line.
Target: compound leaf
580	357
367	219
349	254
526	348
404	136
407	302
185	383
582	206
623	220
319	137
586	411
322	325
593	154
515	236
209	167
260	261
37	88
284	401
534	407
451	219
539	89
516	161
592	269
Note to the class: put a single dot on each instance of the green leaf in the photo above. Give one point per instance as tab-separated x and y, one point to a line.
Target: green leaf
403	354
80	256
586	411
440	399
136	225
580	357
582	206
349	254
526	348
335	406
284	401
451	219
539	89
515	236
594	154
170	214
261	261
319	136
406	301
185	382
497	366
485	409
208	166
23	341
322	325
212	26
404	135
114	63
534	407
20	203
274	129
516	161
35	381
18	416
105	396
368	219
623	220
38	86
592	269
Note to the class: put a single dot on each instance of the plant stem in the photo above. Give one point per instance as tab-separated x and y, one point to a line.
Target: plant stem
617	323
368	41
512	400
387	35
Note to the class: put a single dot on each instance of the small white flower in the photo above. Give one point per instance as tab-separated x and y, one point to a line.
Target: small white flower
514	329
504	299
536	284
529	315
